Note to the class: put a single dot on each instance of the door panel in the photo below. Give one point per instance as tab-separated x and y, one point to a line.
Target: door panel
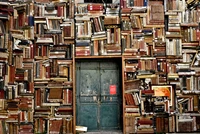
109	116
110	103
97	109
87	93
89	116
109	77
89	86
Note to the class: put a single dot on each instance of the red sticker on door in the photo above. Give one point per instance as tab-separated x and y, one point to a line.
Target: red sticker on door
113	89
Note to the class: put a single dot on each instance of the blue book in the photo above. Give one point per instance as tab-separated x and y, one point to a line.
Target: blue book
145	2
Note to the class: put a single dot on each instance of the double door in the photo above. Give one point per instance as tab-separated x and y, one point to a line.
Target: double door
98	95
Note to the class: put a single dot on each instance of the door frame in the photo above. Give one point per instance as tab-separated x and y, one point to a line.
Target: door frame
118	60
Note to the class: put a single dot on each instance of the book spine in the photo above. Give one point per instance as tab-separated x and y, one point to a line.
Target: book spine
122	3
68	97
95	7
11	74
145	2
96	47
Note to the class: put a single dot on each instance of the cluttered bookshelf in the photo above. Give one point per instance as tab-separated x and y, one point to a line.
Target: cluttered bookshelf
160	78
156	40
37	48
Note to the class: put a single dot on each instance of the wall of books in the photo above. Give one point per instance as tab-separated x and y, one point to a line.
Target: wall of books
36	67
157	40
160	47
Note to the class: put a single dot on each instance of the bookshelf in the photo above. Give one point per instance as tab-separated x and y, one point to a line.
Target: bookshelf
167	47
54	90
157	42
37	46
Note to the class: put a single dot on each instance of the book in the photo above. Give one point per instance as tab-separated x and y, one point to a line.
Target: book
2	104
156	13
2	126
55	125
53	25
112	9
162	124
145	121
39	125
132	85
185	125
67	97
95	7
108	20
130	122
55	94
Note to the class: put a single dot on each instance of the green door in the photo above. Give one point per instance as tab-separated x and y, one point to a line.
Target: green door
98	94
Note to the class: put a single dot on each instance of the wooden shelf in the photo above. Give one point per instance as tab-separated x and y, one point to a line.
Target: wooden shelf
98	57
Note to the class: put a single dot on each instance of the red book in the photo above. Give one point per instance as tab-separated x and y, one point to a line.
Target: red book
144	122
135	3
44	50
121	4
31	87
42	124
95	7
12	74
55	126
21	116
131	99
82	52
147	91
164	66
2	94
67	31
198	35
96	23
64	109
60	12
31	51
48	71
154	63
69	96
26	129
21	19
124	4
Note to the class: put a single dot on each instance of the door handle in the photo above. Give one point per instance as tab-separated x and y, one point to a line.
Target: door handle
98	99
95	98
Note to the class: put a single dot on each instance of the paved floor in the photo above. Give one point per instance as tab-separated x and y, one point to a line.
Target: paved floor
102	133
121	133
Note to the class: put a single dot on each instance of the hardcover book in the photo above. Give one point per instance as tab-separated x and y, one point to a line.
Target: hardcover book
156	13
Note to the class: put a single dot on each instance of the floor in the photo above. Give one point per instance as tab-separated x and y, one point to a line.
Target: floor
102	133
121	133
